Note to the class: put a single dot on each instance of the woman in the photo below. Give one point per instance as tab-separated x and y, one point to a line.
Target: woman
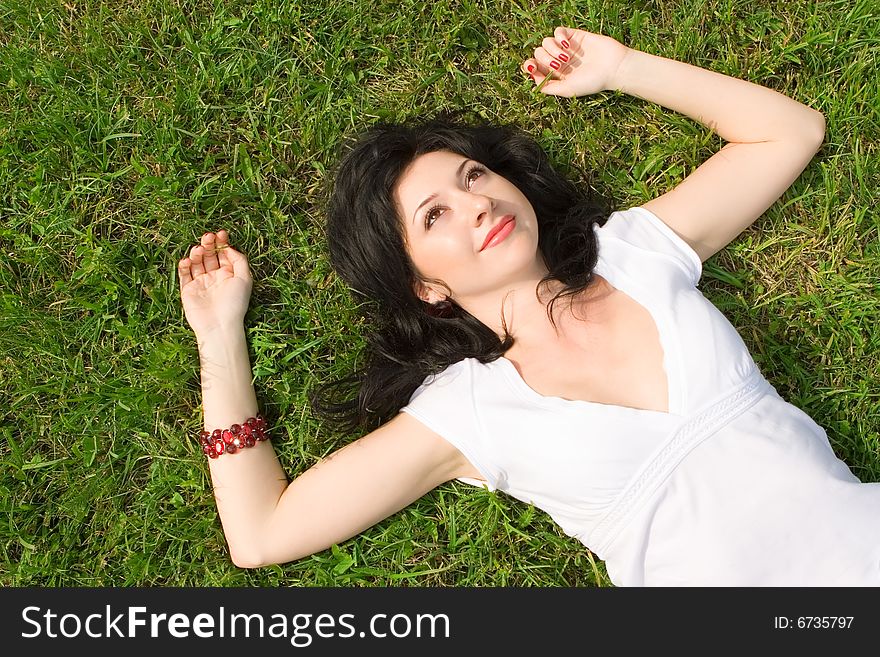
537	348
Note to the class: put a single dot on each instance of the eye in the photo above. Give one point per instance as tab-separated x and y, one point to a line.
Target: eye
472	174
470	177
432	215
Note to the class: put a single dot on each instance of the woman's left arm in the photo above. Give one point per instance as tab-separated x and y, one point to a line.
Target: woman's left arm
771	138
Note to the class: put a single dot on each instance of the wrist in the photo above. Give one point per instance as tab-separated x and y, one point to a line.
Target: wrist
220	334
228	394
224	354
238	436
619	79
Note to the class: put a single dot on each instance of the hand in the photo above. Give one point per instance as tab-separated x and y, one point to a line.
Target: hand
587	65
215	284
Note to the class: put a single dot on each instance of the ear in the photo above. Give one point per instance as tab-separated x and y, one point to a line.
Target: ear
428	292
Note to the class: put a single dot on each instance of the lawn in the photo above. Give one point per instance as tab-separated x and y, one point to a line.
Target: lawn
127	129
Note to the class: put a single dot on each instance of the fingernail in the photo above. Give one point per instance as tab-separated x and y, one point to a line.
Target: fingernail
565	43
563	57
554	65
531	68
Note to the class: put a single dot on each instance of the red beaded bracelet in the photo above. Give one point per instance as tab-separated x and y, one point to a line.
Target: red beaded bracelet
236	437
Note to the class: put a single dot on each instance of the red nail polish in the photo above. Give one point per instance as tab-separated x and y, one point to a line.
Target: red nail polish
563	57
531	68
565	43
554	65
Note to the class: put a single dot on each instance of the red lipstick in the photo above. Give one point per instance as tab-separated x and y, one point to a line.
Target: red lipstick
499	231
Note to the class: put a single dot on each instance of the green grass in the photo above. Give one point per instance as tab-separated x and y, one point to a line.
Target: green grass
129	128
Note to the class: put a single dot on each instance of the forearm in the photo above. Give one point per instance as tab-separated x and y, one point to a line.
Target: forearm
249	483
739	111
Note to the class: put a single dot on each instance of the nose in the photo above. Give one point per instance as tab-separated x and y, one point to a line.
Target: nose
480	207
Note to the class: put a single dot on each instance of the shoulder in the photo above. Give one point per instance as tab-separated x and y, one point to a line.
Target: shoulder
640	230
451	404
460	395
457	376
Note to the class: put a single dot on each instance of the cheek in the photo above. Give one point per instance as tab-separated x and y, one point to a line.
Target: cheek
443	256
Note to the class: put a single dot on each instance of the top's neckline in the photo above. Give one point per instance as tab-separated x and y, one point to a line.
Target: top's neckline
621	283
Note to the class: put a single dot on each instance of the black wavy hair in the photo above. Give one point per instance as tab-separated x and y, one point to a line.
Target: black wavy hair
407	342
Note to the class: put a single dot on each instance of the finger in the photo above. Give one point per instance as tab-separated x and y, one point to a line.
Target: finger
209	259
239	263
546	62
547	80
553	87
222	245
195	255
563	36
536	71
559	59
530	67
184	272
553	48
541	80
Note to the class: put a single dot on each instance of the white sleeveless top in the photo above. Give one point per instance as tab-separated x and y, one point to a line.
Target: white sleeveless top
733	486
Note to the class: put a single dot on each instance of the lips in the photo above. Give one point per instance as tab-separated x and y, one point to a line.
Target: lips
497	228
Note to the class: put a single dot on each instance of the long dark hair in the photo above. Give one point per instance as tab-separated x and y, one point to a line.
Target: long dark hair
409	338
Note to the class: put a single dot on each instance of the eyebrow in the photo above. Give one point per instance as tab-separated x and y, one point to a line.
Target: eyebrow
434	195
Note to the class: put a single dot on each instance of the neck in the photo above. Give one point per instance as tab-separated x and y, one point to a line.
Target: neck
526	316
524	306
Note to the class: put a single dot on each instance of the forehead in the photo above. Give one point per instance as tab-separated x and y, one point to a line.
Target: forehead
425	175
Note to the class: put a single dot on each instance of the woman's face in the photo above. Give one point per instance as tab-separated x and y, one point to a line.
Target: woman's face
449	206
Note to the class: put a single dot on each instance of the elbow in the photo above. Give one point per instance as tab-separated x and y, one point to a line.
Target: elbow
247	563
251	557
247	557
815	130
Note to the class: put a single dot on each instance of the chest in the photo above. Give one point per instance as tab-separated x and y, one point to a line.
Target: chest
614	356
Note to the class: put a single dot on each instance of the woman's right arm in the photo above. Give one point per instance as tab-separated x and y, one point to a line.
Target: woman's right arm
265	519
354	488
